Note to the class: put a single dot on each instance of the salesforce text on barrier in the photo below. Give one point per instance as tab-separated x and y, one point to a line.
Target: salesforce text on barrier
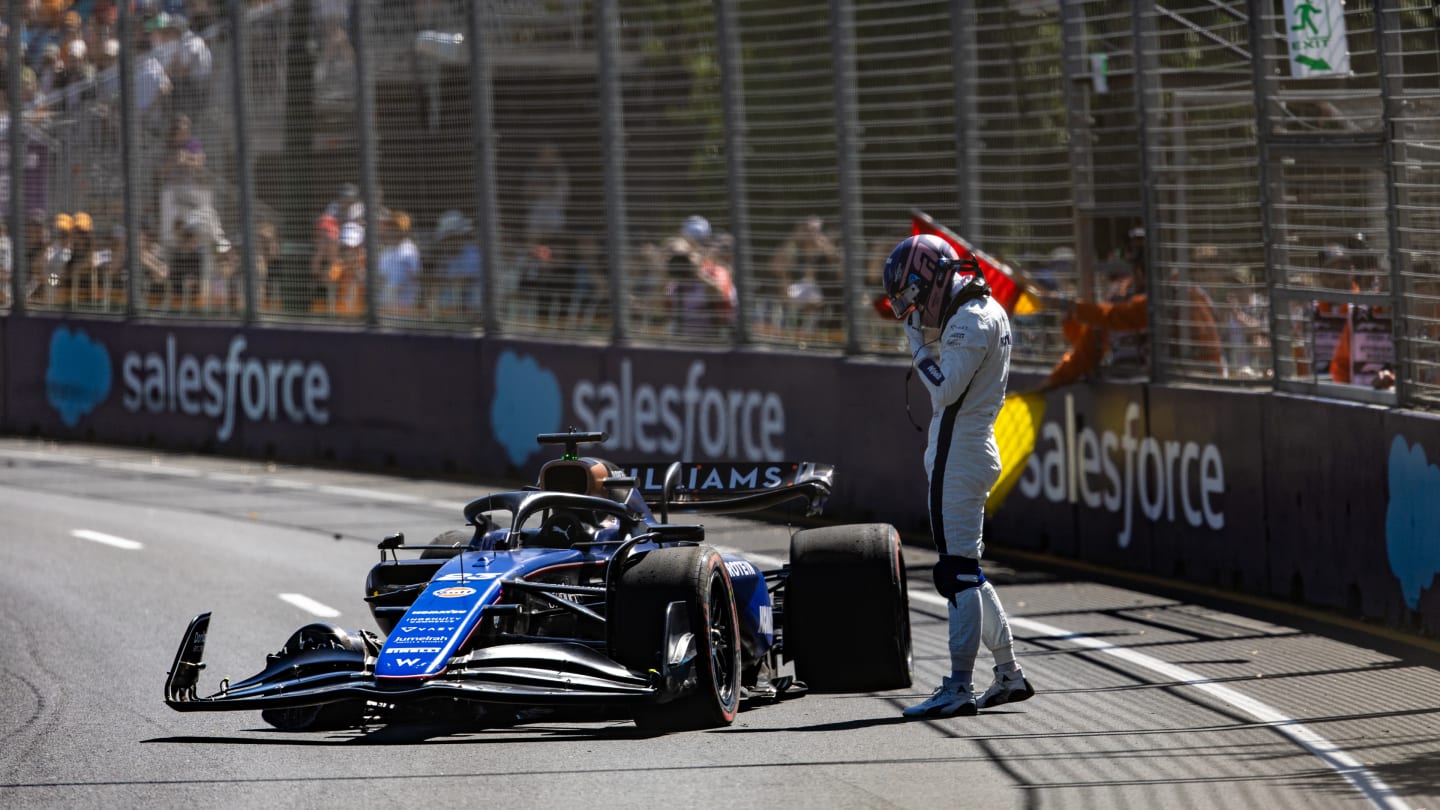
728	424
1080	468
265	389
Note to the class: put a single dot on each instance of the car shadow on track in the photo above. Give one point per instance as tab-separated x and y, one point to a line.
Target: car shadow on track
541	730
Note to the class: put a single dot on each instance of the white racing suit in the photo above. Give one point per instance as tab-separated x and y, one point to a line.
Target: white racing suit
967	388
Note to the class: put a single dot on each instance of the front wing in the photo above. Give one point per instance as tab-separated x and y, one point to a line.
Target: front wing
546	673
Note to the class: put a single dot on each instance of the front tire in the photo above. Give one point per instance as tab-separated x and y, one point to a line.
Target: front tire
328	716
847	609
696	576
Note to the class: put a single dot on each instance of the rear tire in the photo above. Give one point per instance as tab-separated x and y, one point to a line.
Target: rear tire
457	539
847	609
696	576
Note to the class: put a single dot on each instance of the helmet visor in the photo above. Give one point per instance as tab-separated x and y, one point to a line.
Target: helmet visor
906	298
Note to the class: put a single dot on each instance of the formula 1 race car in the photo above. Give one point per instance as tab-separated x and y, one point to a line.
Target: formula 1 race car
582	592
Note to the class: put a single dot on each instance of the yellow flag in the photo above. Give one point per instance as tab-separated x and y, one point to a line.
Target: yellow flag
1015	430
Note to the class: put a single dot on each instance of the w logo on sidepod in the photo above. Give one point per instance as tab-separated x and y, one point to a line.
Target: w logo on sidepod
78	377
526	403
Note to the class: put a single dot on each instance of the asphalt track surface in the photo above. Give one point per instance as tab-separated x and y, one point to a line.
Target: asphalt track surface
1146	700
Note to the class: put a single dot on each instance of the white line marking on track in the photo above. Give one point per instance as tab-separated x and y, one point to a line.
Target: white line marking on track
107	539
309	605
1346	766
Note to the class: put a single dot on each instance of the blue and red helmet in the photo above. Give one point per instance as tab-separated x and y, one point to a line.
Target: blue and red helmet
917	276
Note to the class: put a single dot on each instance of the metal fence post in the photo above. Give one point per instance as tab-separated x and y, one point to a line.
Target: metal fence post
1146	74
847	131
365	111
732	106
967	117
18	270
239	59
482	125
612	146
1264	87
1387	53
129	156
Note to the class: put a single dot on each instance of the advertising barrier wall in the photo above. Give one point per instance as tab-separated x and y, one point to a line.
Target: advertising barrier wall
1328	503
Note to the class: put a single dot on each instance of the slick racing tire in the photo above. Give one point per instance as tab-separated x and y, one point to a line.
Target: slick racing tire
696	577
847	610
330	717
456	539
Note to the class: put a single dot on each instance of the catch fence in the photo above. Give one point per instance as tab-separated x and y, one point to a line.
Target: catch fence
733	172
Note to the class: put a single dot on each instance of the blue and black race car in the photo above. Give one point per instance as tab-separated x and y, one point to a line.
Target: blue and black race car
583	592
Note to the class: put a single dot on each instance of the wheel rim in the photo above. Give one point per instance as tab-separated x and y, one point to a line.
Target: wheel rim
721	631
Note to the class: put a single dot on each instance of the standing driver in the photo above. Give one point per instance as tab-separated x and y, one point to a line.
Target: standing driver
929	286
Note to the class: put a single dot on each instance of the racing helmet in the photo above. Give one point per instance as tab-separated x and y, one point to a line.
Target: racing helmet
917	276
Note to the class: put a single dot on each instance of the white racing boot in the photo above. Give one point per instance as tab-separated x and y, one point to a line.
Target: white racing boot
951	699
1008	687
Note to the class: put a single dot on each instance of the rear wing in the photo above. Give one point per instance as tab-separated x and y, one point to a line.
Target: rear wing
731	488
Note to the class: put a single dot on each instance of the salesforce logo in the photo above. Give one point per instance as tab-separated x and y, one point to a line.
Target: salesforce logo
77	378
1412	520
526	404
688	421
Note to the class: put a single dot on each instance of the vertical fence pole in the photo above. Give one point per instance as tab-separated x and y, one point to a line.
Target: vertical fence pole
18	268
369	185
964	71
612	145
1073	69
1263	83
1387	53
129	157
732	109
1146	76
482	126
240	88
847	131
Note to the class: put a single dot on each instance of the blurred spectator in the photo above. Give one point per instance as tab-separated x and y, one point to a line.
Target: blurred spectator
51	74
346	198
547	194
805	266
155	285
37	245
7	265
715	263
345	293
80	270
267	256
588	290
696	305
1243	318
186	259
324	257
187	63
399	266
459	264
1194	333
57	261
1117	327
334	69
152	84
180	176
110	268
225	289
1354	342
